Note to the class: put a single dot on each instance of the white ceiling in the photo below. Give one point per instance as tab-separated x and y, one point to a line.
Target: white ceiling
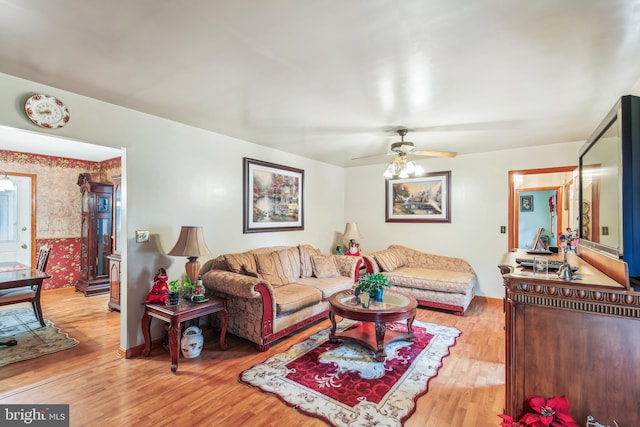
332	79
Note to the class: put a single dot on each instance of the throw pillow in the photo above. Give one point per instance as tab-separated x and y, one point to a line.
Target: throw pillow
390	259
324	266
306	251
248	272
235	262
270	268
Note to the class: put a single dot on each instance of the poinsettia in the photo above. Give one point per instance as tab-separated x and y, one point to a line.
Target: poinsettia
552	412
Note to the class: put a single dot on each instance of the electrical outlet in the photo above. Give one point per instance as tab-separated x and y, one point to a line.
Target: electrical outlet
605	231
503	229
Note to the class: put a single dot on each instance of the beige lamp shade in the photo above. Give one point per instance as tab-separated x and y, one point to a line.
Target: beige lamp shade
192	245
351	231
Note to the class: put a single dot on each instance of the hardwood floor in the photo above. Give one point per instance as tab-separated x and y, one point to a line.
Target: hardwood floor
103	388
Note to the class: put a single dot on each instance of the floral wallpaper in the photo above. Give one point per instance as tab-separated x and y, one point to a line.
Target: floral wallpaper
58	205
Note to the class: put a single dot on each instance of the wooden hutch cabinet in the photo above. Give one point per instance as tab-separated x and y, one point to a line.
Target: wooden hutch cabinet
578	338
95	235
114	258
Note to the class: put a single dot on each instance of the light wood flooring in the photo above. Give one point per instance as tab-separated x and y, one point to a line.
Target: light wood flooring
104	389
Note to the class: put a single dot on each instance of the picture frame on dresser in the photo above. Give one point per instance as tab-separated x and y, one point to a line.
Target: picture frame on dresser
421	199
273	197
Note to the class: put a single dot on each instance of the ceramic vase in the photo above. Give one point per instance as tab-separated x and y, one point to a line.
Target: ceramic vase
377	295
192	342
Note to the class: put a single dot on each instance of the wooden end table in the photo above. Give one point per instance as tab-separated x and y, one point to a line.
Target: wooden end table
175	315
372	329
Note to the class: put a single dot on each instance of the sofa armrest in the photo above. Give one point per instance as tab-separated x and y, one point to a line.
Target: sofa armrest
419	259
228	282
348	265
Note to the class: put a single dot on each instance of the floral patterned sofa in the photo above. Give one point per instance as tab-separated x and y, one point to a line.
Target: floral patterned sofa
275	291
433	280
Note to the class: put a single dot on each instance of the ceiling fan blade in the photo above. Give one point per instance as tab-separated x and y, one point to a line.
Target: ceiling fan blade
434	153
373	155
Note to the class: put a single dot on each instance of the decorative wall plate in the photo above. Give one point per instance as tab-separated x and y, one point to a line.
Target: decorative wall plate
46	111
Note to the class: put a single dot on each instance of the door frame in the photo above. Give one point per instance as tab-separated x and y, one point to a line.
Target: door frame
34	182
513	202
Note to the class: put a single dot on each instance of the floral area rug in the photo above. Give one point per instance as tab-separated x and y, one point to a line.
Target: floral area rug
344	385
32	339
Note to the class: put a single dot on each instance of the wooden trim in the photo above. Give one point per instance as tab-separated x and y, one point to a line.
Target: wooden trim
616	269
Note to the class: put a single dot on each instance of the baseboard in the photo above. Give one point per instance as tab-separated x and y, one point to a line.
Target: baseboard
489	300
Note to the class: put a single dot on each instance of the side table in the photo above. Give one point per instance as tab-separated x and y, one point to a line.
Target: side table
175	315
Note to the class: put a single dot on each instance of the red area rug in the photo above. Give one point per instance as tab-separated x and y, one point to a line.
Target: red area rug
343	384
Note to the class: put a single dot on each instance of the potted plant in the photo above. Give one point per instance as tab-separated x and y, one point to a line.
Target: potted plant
373	284
175	287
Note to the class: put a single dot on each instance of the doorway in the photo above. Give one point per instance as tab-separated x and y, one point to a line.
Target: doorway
17	219
526	183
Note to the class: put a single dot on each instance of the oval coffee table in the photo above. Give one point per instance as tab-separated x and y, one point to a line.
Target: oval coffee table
372	329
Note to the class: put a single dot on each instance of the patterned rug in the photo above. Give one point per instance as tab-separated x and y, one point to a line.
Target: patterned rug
343	385
32	339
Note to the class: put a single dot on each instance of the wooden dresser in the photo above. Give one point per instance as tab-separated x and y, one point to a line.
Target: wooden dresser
579	338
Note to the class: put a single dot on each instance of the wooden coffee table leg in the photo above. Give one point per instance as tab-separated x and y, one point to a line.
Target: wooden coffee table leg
332	331
381	328
174	343
410	328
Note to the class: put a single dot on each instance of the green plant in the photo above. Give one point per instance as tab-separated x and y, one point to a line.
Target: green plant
370	283
179	286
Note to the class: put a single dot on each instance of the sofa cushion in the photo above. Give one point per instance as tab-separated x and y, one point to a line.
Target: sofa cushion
279	267
390	259
328	286
269	269
293	297
235	262
435	280
324	266
306	251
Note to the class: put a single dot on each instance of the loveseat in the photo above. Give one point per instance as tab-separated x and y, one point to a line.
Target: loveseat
433	280
275	291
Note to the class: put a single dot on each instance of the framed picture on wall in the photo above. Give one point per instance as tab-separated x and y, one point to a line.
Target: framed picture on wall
526	203
422	199
273	197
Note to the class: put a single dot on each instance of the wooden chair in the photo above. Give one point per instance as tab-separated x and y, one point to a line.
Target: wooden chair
29	293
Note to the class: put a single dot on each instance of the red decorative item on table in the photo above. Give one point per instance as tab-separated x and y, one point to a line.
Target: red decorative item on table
160	289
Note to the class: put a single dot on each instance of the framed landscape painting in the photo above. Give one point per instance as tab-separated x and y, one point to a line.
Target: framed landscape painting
421	199
273	197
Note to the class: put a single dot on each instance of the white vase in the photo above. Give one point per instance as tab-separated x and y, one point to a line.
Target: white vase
192	342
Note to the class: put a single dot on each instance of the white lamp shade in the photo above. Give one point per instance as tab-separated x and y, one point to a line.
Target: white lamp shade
351	231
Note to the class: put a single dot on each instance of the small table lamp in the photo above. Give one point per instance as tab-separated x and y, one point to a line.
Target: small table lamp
352	233
191	244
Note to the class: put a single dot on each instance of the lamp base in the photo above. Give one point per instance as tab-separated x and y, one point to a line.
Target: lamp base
192	267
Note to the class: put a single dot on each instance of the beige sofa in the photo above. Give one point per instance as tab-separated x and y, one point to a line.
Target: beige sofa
433	280
275	291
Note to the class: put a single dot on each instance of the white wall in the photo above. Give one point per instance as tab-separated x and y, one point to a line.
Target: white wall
479	206
177	175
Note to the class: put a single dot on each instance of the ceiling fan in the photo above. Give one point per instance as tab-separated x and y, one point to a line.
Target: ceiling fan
404	148
401	167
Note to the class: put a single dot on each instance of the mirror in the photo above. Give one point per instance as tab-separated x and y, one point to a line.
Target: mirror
601	190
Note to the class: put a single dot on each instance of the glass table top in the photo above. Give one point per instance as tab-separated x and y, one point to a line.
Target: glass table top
391	301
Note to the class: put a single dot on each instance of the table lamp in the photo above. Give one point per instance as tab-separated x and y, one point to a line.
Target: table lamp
352	233
191	244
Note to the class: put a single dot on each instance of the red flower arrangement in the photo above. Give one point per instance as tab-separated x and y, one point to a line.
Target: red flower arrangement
552	412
